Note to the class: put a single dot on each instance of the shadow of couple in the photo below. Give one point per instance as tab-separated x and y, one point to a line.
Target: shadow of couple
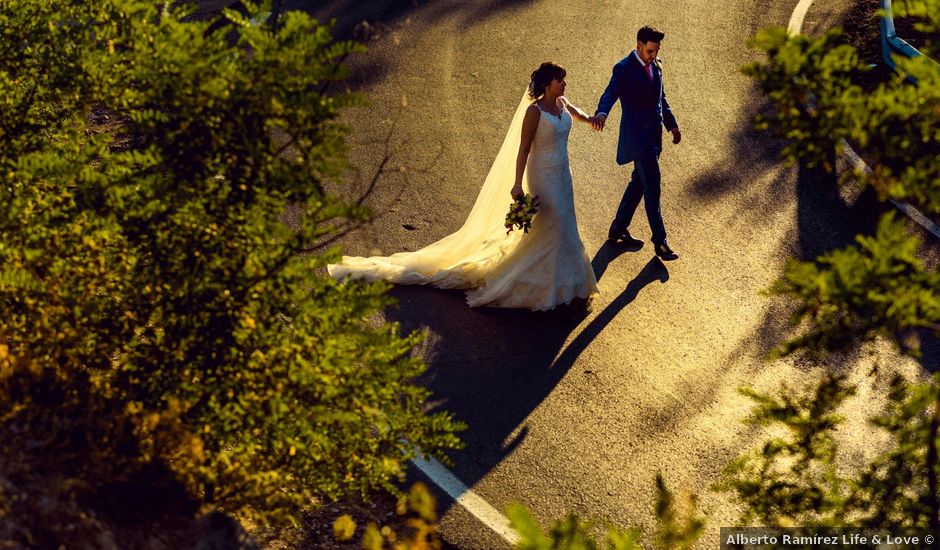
493	367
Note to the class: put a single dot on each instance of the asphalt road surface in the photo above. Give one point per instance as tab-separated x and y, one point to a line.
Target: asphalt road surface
574	411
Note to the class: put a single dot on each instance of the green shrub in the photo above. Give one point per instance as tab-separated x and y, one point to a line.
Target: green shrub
878	287
147	278
796	480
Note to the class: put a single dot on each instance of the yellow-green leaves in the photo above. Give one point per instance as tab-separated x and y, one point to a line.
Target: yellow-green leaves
879	287
417	510
142	252
810	82
344	528
573	533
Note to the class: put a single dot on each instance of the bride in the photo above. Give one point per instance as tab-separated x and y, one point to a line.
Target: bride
537	271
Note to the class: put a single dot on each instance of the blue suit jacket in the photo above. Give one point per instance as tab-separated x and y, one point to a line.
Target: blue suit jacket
645	109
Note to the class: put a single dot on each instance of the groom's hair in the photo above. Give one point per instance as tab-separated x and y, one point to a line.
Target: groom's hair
650	34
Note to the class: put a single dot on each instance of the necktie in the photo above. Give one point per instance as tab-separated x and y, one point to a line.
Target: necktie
649	70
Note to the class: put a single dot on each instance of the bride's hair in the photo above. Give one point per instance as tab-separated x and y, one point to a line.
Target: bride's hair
543	76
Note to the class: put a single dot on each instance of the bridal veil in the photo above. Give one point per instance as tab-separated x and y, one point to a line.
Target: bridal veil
461	259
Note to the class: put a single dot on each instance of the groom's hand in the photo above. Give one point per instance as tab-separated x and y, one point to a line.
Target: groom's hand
676	135
597	121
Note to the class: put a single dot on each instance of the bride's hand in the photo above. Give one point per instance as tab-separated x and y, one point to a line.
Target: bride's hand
516	191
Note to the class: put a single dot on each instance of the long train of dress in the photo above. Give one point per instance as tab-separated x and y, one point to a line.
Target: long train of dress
539	270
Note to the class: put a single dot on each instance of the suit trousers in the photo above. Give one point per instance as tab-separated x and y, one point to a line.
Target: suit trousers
645	183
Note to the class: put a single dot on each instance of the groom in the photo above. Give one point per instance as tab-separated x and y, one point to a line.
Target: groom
637	82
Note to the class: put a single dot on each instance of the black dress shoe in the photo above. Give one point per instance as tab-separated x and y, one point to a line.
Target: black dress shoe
625	238
665	253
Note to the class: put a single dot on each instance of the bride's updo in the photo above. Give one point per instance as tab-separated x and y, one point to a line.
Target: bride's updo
543	76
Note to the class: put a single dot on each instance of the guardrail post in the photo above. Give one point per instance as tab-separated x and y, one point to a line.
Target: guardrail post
891	43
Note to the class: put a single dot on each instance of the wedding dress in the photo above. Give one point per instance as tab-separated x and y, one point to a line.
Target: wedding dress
539	270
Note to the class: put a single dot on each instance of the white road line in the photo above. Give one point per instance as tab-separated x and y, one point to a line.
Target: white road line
796	18
794	28
465	496
918	217
857	162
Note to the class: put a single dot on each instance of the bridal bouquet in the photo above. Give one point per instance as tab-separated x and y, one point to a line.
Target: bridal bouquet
521	212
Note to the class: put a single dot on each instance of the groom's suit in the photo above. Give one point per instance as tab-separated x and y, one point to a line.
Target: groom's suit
645	111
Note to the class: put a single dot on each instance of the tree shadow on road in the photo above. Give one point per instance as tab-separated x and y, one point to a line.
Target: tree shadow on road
824	220
374	20
348	15
752	152
828	217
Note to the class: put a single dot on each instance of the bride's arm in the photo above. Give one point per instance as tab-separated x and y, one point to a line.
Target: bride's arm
575	111
529	125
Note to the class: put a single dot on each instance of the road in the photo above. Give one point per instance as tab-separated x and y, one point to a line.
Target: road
571	411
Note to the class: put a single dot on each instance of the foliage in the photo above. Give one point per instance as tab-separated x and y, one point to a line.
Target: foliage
148	278
418	508
901	488
923	12
675	528
812	84
879	287
897	131
796	481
